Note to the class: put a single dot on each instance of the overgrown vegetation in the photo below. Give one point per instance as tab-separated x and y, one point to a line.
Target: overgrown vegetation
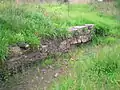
105	25
24	23
98	70
31	22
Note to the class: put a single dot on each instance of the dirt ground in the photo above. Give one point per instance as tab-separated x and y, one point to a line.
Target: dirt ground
37	77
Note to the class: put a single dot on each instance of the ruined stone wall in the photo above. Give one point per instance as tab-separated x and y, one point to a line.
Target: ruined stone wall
21	54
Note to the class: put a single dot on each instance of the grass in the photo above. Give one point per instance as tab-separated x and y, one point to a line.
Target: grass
21	24
81	14
31	22
97	69
91	70
47	62
105	32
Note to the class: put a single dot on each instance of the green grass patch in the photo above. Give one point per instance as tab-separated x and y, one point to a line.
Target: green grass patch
66	84
25	23
46	62
98	69
84	14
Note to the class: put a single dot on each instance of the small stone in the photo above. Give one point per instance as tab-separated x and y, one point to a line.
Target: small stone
47	81
23	45
42	78
79	40
32	80
31	59
44	48
63	44
45	88
51	67
74	41
56	75
25	56
36	77
85	39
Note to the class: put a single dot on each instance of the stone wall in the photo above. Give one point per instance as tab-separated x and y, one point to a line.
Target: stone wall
21	54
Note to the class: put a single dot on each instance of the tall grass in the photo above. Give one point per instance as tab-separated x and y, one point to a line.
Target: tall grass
106	25
98	70
101	71
81	14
